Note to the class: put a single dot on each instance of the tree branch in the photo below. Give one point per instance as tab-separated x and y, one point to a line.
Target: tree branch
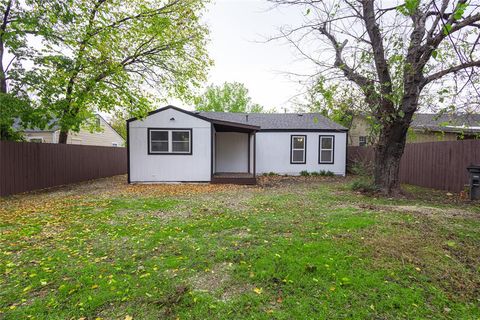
454	69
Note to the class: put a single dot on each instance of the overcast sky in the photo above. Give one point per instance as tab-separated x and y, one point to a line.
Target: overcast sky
238	30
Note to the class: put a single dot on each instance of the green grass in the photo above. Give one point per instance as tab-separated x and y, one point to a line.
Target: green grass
304	250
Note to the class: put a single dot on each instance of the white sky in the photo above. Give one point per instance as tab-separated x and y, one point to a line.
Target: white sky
238	30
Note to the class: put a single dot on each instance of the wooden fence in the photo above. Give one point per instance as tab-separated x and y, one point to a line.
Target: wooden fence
437	165
26	166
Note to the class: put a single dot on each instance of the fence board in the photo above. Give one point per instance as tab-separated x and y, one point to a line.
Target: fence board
28	166
438	165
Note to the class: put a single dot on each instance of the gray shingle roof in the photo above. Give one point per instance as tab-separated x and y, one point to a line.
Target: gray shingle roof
446	122
277	121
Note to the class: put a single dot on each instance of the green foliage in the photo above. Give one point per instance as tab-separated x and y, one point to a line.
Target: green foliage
118	122
409	7
304	173
12	107
229	97
363	185
108	55
336	102
361	168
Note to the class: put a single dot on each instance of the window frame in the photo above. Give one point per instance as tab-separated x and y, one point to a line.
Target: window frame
304	148
360	141
36	138
320	149
170	147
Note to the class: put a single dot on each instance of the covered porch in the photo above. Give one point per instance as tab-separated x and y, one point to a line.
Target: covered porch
233	153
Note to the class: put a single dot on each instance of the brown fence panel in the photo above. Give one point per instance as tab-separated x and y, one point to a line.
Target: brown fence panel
28	166
438	165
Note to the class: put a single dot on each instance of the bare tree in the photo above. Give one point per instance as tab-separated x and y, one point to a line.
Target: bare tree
393	51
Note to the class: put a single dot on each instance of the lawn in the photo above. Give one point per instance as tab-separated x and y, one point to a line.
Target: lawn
303	248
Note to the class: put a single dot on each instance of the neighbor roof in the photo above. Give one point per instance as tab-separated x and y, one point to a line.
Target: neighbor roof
447	122
278	121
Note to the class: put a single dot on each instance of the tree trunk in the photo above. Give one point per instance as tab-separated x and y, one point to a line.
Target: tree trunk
62	138
388	153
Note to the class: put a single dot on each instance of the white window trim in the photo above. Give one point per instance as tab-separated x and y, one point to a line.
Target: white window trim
170	141
304	149
320	149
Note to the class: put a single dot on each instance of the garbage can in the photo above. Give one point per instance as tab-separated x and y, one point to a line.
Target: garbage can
474	182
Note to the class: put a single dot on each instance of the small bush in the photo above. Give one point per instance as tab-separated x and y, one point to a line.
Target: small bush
304	173
329	173
272	174
315	173
361	168
363	185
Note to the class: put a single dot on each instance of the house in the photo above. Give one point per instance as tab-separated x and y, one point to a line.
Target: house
175	145
107	137
425	127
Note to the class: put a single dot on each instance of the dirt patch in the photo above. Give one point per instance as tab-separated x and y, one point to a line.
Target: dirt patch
218	282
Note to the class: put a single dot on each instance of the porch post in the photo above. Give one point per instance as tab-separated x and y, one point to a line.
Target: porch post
254	154
249	147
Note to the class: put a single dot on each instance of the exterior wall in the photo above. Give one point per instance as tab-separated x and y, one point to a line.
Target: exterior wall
430	136
165	167
231	152
107	137
273	153
358	128
47	136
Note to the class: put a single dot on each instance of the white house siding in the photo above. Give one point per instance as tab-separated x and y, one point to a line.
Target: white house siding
273	153
170	168
231	152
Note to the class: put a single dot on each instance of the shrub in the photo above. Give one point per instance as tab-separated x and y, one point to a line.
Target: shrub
304	173
272	174
361	168
315	173
363	185
329	173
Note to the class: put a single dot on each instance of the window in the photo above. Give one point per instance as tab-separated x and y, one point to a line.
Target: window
170	141
114	144
362	141
298	148
326	149
36	139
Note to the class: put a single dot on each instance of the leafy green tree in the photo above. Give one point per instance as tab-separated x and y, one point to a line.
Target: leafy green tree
19	19
118	122
111	53
229	97
394	54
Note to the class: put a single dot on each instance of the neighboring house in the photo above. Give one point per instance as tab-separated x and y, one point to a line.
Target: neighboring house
174	145
107	137
425	127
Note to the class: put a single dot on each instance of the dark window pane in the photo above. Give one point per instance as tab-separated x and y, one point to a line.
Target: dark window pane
298	142
326	156
159	146
297	156
327	143
159	135
180	146
180	136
